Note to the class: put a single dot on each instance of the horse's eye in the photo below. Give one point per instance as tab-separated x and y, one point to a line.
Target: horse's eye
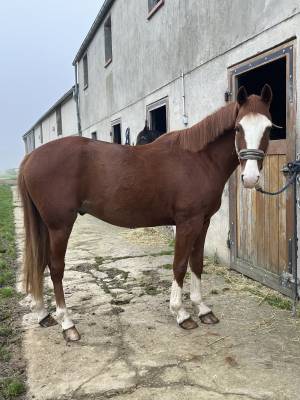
237	128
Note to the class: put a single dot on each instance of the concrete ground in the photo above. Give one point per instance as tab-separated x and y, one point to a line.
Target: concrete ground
117	285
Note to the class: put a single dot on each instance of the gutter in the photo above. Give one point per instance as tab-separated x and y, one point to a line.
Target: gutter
93	30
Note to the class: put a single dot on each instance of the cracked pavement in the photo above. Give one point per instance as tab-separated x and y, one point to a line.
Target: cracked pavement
117	285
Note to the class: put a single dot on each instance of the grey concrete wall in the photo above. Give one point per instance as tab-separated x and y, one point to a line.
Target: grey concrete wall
69	118
200	38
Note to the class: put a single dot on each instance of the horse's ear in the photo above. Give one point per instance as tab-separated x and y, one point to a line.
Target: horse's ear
266	94
242	95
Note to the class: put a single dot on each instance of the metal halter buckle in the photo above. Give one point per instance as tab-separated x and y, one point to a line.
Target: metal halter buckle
251	154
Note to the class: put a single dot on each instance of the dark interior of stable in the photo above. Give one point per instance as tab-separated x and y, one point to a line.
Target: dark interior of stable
158	119
273	73
117	133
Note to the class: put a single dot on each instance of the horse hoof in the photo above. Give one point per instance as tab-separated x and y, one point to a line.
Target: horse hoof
48	321
188	324
71	335
209	318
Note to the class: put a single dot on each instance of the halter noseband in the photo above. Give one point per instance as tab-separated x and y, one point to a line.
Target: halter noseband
251	154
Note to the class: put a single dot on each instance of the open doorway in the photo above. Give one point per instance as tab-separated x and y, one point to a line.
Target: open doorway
274	74
157	115
116	133
158	120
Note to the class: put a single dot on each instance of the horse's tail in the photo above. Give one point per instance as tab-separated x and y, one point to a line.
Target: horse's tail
36	251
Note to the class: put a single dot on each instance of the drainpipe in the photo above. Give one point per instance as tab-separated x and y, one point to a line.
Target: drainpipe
76	95
185	119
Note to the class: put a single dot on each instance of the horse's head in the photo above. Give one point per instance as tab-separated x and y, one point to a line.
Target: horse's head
253	125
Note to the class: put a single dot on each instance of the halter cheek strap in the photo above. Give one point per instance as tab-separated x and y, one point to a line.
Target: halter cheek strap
251	154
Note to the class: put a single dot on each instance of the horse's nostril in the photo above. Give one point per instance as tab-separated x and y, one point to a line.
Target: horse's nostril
242	177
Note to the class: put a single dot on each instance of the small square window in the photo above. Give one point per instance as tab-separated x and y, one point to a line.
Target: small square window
108	41
153	6
94	135
85	72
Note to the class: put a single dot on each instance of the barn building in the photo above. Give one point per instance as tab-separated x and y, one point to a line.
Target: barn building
173	62
59	121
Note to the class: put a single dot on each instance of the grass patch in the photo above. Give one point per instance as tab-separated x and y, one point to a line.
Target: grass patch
167	266
172	243
279	302
11	366
162	253
5	331
4	353
11	388
6	292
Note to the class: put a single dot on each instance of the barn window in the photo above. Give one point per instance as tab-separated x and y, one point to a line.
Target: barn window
58	120
153	6
108	41
157	115
94	135
85	72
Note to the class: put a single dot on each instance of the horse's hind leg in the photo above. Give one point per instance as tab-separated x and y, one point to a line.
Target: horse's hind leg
38	306
196	264
58	246
185	237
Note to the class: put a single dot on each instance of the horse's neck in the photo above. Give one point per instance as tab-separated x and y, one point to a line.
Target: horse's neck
223	154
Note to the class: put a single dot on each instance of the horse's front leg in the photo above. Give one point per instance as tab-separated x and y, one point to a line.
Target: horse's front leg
186	234
196	264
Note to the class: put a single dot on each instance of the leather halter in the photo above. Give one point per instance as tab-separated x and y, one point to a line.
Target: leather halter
251	154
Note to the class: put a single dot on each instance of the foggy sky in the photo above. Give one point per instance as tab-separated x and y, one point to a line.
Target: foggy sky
38	42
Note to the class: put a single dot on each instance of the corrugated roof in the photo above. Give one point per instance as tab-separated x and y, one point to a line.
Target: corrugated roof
94	28
65	97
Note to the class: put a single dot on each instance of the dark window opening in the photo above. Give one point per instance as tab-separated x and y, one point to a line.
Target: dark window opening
158	119
273	73
153	6
94	135
108	41
85	72
58	121
117	133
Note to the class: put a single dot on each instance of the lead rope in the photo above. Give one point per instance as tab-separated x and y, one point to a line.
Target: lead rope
259	189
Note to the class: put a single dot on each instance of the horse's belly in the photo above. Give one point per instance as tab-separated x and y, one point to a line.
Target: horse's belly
132	217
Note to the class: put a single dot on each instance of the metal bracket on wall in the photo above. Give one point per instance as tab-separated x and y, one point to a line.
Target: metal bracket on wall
287	280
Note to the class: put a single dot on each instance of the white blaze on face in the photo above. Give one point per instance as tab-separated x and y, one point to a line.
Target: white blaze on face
254	126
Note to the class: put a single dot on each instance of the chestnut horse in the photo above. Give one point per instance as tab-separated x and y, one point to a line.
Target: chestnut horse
176	180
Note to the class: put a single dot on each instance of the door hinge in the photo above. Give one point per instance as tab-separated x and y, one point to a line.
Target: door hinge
229	242
287	280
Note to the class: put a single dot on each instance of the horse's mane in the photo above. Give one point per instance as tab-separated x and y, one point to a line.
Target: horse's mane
205	131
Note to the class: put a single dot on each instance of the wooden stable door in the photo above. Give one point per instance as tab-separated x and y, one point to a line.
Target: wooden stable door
261	226
261	220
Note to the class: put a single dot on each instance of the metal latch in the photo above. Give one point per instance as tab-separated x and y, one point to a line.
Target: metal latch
287	280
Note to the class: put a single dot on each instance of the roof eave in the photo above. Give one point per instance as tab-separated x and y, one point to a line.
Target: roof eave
63	99
93	30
